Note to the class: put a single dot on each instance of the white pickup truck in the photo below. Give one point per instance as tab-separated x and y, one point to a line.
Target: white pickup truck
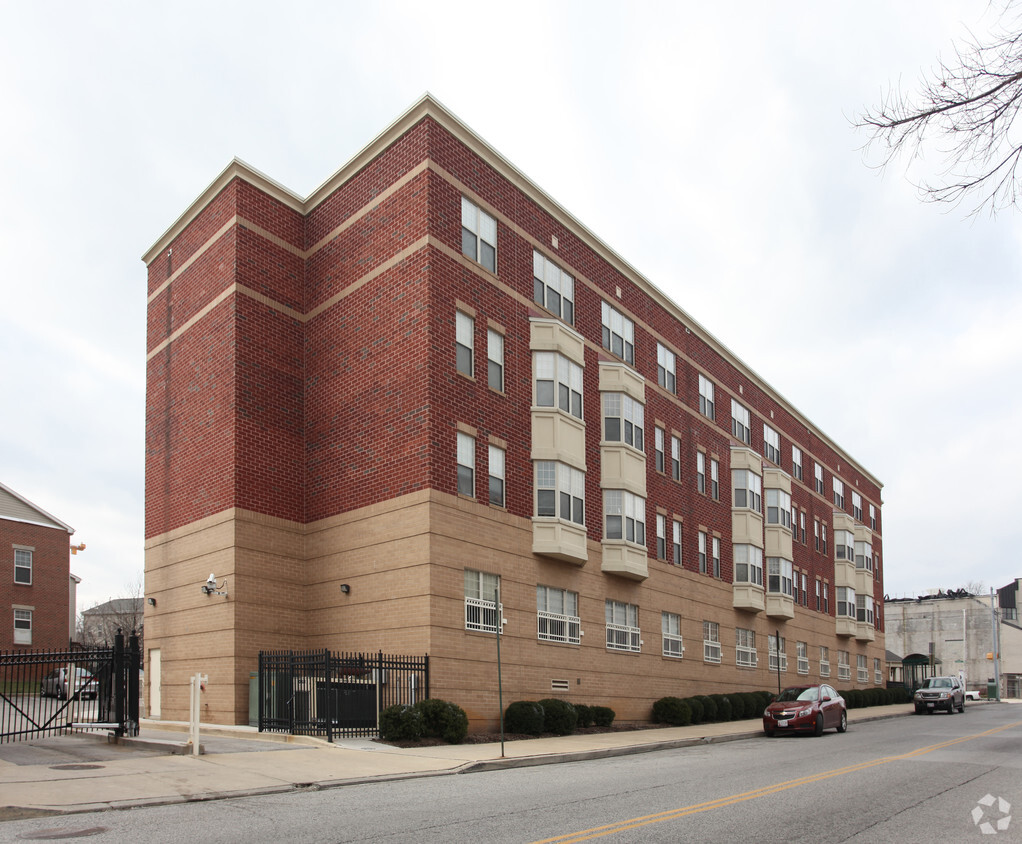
971	694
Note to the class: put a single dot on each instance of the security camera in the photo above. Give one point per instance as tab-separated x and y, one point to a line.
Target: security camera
212	580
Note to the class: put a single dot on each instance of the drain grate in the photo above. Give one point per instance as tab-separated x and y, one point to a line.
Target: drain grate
78	766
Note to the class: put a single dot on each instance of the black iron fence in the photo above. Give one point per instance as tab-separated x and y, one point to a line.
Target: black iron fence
46	693
333	694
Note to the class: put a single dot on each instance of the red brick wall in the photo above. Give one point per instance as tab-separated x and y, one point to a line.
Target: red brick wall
49	592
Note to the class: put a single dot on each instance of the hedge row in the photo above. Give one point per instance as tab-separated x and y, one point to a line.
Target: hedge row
680	712
700	709
430	718
533	717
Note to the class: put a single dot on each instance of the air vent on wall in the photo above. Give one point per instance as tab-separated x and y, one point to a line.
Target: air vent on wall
558	685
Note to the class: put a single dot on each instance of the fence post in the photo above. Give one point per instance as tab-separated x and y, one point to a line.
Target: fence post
427	675
134	664
259	693
119	682
329	699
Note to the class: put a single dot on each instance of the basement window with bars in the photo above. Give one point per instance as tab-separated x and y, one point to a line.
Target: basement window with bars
623	627
482	612
711	642
557	615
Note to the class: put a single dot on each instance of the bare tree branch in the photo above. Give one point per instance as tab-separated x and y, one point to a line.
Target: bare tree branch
968	109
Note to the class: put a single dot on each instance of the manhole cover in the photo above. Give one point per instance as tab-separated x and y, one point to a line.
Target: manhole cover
74	767
61	834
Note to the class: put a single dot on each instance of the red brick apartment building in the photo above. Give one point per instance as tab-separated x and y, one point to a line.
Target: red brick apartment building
36	609
369	408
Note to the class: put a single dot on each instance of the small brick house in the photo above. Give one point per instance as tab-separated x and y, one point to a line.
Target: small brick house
35	590
370	409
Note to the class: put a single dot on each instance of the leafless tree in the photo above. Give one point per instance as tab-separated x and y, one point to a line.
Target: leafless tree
98	624
968	108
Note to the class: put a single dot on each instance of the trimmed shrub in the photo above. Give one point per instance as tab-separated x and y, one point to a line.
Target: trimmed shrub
603	716
709	708
695	706
852	698
673	711
401	722
723	707
444	720
524	716
585	715
559	716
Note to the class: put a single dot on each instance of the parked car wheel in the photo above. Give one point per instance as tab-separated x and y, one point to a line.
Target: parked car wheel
844	723
819	725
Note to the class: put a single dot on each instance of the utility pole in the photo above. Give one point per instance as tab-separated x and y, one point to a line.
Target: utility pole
996	645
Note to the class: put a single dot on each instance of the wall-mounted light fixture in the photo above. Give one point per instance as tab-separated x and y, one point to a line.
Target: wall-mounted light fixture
345	588
210	587
151	601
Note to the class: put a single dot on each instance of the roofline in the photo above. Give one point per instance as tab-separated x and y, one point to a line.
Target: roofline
35	507
429	106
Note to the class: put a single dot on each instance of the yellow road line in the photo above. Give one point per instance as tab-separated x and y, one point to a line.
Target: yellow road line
764	791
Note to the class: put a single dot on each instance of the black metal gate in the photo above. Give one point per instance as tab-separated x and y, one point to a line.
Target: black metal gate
44	693
320	693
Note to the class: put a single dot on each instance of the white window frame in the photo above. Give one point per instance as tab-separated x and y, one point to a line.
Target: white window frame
623	632
856	506
676	457
466	464
672	643
666	368
747	489
482	614
677	535
630	511
802	657
22	626
779	575
824	661
569	488
843	665
772	651
565	379
778	507
818	473
661	536
702	552
771	444
630	418
464	343
23	563
711	642
495	360
748	564
497	468
864	608
861	668
872	517
701	472
553	288
846	602
557	618
658	449
864	555
796	462
844	545
706	402
745	648
479	229
714	479
618	327
715	556
878	671
741	422
839	493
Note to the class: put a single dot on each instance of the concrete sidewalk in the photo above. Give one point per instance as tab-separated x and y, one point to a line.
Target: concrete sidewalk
78	774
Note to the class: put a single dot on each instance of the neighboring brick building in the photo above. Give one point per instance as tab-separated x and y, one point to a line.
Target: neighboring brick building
35	592
428	377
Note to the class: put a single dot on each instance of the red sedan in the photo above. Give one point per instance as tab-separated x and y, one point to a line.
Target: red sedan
811	709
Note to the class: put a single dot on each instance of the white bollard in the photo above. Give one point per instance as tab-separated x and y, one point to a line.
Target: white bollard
198	685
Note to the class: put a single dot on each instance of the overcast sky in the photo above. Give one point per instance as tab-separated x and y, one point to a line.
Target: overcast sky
709	145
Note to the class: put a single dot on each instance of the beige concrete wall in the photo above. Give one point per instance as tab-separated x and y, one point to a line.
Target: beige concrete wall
404	562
